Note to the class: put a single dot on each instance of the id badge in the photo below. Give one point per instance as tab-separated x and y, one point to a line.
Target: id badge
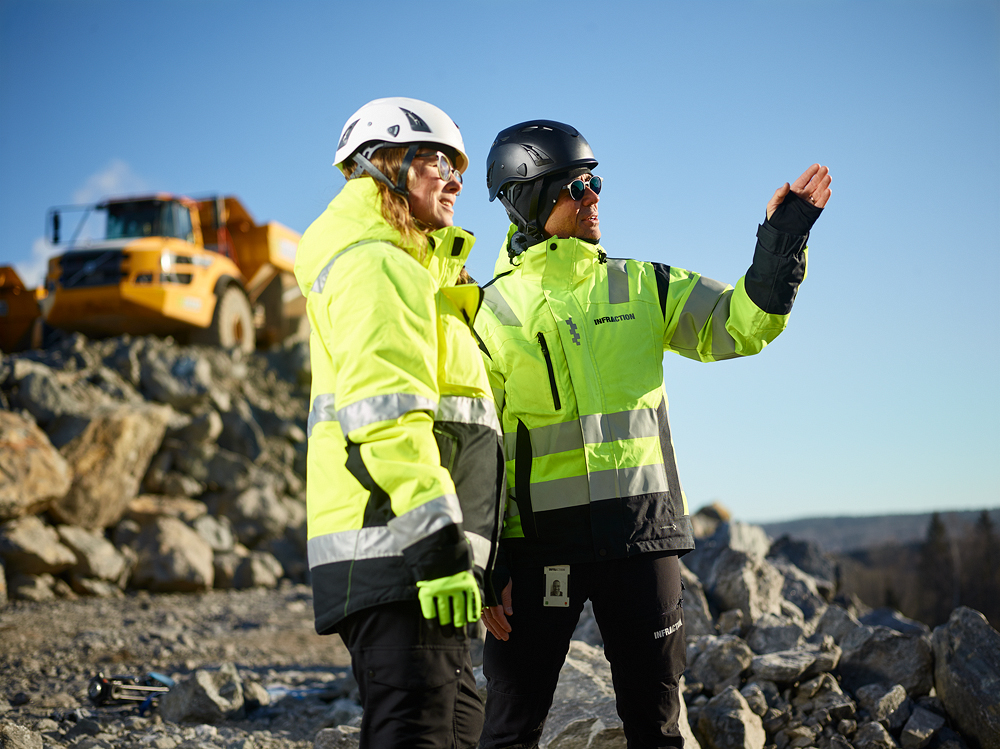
556	586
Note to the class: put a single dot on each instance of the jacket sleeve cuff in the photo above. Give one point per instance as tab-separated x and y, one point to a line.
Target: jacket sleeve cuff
779	266
498	579
444	552
794	216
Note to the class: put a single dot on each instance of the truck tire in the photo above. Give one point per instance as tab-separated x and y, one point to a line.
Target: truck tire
232	323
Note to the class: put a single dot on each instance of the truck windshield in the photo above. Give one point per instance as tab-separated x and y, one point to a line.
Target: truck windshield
148	218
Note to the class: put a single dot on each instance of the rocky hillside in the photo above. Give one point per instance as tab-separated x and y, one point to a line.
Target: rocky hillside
141	481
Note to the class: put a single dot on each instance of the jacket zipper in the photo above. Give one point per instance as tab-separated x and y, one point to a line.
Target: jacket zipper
552	373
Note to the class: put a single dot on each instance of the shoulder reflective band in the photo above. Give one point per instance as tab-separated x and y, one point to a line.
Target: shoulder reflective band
617	280
320	283
495	301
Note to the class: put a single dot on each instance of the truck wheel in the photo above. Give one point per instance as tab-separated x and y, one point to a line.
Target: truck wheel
232	323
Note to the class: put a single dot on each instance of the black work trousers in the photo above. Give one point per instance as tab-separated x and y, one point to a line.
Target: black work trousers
637	605
415	678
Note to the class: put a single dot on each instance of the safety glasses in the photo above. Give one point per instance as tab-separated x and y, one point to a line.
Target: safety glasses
445	170
579	186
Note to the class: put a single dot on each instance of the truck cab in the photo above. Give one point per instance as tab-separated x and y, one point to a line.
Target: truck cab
199	270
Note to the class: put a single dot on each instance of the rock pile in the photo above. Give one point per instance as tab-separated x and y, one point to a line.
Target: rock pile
135	463
132	462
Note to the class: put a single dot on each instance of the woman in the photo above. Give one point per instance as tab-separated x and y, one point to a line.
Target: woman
405	463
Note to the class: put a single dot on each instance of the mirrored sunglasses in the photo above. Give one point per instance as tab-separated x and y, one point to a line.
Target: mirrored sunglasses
445	170
579	186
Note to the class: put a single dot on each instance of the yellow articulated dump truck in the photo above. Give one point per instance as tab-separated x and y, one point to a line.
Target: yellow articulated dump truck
201	270
20	315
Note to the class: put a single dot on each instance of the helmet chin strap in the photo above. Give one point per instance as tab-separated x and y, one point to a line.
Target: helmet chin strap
530	228
364	165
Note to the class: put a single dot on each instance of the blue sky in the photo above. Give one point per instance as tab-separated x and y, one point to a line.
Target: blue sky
882	395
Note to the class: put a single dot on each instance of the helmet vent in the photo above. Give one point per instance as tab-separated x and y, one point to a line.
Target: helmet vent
416	124
537	155
393	131
347	134
522	170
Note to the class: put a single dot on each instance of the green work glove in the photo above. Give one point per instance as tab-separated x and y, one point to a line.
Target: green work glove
458	593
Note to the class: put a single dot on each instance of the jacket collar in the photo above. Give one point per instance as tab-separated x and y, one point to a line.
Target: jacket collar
353	216
557	260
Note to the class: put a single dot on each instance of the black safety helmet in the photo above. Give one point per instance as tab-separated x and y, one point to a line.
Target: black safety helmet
523	164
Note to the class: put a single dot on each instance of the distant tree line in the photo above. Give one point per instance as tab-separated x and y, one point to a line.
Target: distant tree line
926	581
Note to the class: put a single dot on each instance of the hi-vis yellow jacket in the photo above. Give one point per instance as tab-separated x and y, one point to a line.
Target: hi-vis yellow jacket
573	342
405	463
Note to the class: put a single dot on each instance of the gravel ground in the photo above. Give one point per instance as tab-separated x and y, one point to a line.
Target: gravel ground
49	651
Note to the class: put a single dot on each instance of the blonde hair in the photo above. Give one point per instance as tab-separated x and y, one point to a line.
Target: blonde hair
395	208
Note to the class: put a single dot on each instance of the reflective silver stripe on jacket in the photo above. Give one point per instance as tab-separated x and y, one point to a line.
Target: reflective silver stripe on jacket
374	543
700	305
324	408
465	410
625	482
547	440
624	425
575	491
381	408
723	343
420	522
617	280
320	283
365	543
495	301
590	430
480	548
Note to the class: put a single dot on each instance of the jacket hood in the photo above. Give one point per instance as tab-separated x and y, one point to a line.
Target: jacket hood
354	216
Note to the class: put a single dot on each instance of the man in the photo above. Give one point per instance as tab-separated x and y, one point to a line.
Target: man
573	342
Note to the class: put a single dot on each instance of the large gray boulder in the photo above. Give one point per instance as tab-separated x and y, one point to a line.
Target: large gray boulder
744	537
32	472
967	675
29	546
720	663
16	736
60	401
872	735
205	697
727	722
837	622
882	655
172	558
583	713
697	614
109	459
880	701
921	728
772	633
96	557
746	582
179	380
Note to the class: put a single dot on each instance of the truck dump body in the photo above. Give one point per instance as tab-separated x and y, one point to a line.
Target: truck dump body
19	313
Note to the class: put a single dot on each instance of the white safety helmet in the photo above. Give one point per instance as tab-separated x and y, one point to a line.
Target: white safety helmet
397	121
